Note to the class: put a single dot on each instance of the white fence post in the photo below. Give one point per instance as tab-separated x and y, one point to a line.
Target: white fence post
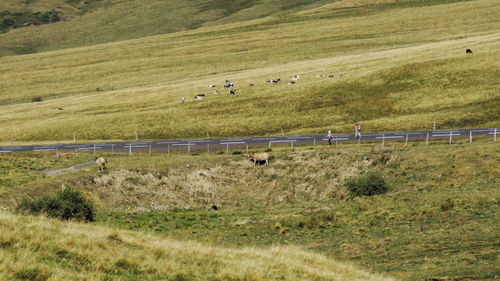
247	147
136	135
451	135
57	153
168	150
291	143
189	148
149	150
227	148
208	135
112	149
336	142
314	144
470	136
208	148
130	150
427	139
74	137
282	132
495	135
270	144
434	126
94	149
383	140
406	142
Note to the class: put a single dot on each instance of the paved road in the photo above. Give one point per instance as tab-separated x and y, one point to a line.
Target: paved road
230	143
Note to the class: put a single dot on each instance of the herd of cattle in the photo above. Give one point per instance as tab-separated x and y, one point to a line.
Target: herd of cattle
232	90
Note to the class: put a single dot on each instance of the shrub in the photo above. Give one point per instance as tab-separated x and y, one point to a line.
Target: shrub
66	204
36	99
368	184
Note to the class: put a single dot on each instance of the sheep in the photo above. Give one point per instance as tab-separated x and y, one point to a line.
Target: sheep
259	157
101	163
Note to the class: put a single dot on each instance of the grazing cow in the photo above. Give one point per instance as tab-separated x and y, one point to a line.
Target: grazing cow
233	91
330	76
468	51
228	85
216	92
251	84
274	81
296	77
199	97
59	108
291	82
101	163
182	99
258	158
211	86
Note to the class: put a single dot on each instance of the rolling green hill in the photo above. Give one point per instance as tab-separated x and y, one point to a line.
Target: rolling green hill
85	23
396	65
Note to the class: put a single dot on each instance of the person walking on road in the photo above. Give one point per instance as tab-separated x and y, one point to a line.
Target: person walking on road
357	130
330	138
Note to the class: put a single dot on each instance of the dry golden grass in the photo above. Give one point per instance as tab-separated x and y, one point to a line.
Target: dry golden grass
36	248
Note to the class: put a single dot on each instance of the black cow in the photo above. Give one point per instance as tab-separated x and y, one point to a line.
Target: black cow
233	91
468	51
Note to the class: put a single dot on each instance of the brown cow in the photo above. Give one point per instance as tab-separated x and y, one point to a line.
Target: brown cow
259	157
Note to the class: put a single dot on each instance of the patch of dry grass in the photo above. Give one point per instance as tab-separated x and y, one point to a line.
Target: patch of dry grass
36	248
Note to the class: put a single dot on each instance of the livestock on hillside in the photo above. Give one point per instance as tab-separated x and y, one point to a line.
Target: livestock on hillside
101	163
296	77
258	158
468	51
233	91
228	85
211	86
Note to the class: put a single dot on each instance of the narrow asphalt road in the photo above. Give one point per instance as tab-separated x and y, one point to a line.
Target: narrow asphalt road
231	143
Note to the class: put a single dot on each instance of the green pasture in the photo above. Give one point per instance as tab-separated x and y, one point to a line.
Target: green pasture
396	65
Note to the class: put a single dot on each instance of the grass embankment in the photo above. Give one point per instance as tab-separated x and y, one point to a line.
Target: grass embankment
439	219
403	64
42	249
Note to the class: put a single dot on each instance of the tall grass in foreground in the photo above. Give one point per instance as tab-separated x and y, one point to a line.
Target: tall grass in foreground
36	248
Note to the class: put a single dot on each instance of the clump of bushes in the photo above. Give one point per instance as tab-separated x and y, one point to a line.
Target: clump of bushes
368	184
66	204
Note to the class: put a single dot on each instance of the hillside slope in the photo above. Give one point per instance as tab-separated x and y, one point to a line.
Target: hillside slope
395	65
42	249
85	23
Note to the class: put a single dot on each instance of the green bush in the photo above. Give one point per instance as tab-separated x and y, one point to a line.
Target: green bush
66	204
368	184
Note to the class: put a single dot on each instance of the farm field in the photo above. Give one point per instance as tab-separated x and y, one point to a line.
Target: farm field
396	65
439	219
116	70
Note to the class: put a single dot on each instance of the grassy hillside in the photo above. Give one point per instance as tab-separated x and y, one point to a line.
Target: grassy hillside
440	217
85	23
403	64
42	249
